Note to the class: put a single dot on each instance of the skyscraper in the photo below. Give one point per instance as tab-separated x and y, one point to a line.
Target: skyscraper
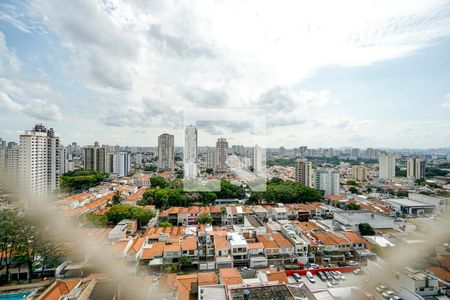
257	159
211	158
12	164
95	158
304	172
415	168
166	152
190	152
39	165
327	179
386	164
221	154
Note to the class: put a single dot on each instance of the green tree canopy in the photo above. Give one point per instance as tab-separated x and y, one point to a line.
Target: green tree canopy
204	218
119	212
165	224
80	180
366	229
353	206
158	181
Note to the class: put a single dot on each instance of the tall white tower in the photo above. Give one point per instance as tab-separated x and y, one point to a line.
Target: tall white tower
327	180
190	152
386	164
166	151
39	165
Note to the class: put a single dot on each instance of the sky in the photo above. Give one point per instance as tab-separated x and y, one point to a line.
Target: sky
319	73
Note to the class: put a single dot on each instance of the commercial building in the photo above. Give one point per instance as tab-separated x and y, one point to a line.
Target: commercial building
352	219
415	168
304	172
386	164
39	165
327	179
412	207
166	152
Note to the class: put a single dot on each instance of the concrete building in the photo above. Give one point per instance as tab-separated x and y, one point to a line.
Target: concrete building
415	168
95	158
352	219
359	172
258	159
327	179
386	164
166	152
304	172
12	164
441	203
211	158
411	207
121	164
190	152
221	155
39	165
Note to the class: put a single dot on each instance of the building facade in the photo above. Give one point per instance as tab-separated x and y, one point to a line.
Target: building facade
304	172
166	151
386	164
221	154
327	179
39	165
415	168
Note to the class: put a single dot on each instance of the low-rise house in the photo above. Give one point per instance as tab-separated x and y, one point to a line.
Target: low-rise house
123	229
222	252
239	248
171	253
278	213
256	255
230	276
134	250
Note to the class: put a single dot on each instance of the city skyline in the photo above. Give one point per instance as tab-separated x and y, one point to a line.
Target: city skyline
384	84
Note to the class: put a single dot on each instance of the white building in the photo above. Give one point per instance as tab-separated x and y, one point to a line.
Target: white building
121	164
39	165
327	179
359	172
415	168
304	172
258	159
190	152
166	151
355	217
386	164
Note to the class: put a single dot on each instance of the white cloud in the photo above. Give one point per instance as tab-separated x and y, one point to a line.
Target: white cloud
446	103
37	108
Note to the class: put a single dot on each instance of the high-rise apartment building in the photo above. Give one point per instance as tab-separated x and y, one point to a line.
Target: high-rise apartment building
166	151
2	157
12	165
190	152
327	179
386	165
304	172
359	172
415	168
121	164
95	158
221	154
258	157
211	158
39	165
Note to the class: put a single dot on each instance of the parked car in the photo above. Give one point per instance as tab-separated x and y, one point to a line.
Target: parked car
328	275
297	277
310	277
395	297
352	263
341	276
332	283
314	266
322	276
381	288
358	271
334	275
387	294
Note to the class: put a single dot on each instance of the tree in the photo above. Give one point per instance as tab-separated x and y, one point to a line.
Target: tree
352	182
117	198
402	193
165	224
366	229
208	197
353	190
158	181
179	173
150	168
185	261
420	181
171	269
229	190
161	198
204	218
209	171
353	206
80	180
118	213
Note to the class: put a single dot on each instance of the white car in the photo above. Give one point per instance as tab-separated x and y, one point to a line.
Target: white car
395	297
380	288
297	277
341	276
387	294
310	277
